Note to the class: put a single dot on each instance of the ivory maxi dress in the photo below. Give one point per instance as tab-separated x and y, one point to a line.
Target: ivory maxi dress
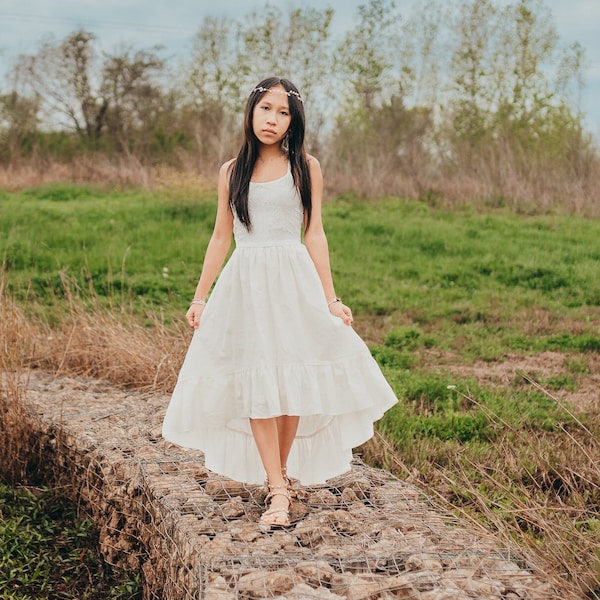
267	346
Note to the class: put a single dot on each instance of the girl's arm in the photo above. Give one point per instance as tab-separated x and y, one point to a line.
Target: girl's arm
315	241
217	248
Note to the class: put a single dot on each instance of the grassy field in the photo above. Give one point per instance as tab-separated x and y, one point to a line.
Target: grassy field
487	325
48	551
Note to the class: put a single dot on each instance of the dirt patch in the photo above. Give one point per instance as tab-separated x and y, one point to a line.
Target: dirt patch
583	371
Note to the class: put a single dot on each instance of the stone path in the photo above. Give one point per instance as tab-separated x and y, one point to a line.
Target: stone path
193	534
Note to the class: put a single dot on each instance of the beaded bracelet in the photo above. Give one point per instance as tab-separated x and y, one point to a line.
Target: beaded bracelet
198	301
336	299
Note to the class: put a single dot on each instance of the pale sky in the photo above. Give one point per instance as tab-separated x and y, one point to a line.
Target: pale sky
144	23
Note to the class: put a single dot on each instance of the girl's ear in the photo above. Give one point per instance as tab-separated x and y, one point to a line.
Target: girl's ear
285	143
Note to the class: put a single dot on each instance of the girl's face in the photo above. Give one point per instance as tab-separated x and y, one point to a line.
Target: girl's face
271	118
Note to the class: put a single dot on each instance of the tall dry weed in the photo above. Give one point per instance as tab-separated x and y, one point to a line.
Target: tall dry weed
86	169
496	175
538	491
89	339
85	339
493	176
17	443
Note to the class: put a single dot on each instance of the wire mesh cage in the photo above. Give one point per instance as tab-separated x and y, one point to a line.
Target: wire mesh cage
193	534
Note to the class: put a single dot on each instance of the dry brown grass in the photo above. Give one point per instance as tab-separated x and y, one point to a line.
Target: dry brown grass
494	178
178	183
538	491
15	448
84	339
492	175
88	169
102	343
99	170
545	192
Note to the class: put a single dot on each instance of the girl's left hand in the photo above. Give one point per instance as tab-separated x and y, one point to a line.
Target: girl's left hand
193	315
337	309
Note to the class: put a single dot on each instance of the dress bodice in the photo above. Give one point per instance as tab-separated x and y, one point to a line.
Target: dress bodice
276	214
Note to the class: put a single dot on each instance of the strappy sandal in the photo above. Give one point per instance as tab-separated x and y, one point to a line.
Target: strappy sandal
288	482
277	517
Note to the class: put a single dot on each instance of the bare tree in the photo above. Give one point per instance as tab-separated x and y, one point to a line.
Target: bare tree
215	71
366	58
211	90
294	44
132	95
421	49
62	74
472	66
113	97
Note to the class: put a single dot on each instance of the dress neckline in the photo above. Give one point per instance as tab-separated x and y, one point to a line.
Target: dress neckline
287	172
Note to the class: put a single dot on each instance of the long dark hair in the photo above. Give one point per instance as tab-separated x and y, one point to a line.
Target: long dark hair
243	166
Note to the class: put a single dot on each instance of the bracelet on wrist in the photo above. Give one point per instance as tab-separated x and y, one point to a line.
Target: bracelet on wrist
199	301
336	299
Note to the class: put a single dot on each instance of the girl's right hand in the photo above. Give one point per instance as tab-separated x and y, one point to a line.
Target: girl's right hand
342	311
193	315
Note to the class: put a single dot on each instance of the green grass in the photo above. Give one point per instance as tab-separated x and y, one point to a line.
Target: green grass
441	407
466	274
462	282
463	268
121	243
48	552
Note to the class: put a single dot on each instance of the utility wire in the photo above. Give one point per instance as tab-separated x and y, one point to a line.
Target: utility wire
120	25
140	27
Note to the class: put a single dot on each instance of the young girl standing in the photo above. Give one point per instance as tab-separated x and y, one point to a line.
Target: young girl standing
275	379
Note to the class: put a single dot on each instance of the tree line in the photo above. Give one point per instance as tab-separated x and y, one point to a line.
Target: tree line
461	100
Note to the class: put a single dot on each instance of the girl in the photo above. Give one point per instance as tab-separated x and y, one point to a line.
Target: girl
275	376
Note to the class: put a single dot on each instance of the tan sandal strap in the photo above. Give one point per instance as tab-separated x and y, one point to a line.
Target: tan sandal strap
278	490
285	494
275	511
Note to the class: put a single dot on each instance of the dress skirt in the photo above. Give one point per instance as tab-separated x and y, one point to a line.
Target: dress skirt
267	346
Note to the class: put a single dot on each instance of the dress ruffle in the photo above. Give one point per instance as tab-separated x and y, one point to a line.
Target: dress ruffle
335	403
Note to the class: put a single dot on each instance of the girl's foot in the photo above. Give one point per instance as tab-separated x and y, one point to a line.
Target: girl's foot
278	514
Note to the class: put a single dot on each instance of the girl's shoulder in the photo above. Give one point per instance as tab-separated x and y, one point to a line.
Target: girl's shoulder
225	175
311	160
227	166
225	170
314	166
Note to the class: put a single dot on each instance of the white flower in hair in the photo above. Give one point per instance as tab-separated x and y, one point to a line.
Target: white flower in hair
288	93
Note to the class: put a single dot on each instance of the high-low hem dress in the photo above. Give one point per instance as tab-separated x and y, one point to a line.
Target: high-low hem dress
268	346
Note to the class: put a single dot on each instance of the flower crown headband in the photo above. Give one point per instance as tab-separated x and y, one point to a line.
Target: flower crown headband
286	92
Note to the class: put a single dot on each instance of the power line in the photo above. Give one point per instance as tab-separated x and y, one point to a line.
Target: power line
120	25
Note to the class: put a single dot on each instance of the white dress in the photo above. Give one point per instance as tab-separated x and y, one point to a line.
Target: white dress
267	346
